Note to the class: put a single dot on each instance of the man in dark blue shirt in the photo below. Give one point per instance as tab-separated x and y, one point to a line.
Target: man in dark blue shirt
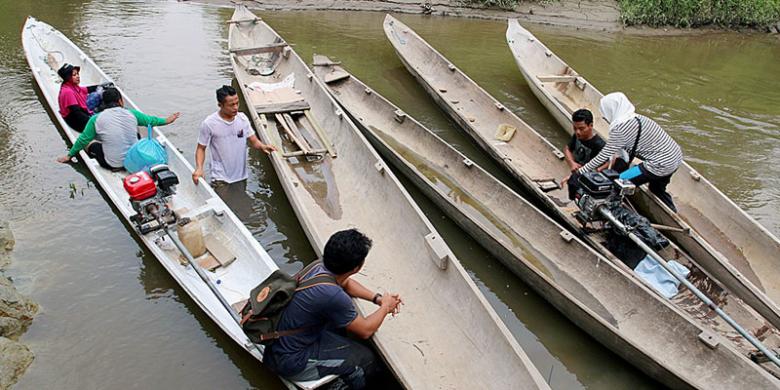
325	309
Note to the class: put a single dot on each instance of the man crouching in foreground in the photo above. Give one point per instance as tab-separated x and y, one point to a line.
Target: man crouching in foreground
325	310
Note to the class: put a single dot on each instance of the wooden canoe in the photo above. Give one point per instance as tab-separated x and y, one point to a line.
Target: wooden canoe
709	226
592	292
46	50
530	159
447	335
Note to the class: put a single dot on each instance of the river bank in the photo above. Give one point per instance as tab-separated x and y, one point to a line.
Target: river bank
16	314
594	15
111	315
585	14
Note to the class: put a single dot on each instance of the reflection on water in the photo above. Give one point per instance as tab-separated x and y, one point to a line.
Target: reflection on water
111	314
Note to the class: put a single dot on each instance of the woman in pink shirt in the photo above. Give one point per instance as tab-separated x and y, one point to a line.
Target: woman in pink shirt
73	98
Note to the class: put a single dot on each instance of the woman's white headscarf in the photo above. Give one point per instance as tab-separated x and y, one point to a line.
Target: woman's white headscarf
616	109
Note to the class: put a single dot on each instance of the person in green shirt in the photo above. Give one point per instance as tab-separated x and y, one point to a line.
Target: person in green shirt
109	134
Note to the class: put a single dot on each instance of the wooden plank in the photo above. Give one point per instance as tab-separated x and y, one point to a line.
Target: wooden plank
290	134
335	76
276	108
315	152
557	78
273	136
274	47
294	128
236	21
321	133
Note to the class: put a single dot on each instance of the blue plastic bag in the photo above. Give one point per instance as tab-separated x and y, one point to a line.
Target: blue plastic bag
658	277
145	154
94	99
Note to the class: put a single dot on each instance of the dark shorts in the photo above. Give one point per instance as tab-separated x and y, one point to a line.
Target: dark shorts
353	363
656	184
95	150
77	120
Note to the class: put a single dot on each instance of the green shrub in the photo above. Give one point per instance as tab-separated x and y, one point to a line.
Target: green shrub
504	4
692	13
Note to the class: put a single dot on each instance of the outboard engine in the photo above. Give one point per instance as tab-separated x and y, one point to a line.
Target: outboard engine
149	196
600	189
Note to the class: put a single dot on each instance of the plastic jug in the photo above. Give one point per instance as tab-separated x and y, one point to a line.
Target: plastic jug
191	235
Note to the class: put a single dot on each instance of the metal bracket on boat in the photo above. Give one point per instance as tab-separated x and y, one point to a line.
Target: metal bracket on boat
558	154
500	106
451	67
339	114
380	167
708	339
580	83
400	116
368	91
695	175
468	163
548	53
310	76
547	184
566	235
286	51
438	249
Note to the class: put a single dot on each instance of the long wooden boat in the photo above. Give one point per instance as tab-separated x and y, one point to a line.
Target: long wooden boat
246	262
727	241
592	292
447	335
536	164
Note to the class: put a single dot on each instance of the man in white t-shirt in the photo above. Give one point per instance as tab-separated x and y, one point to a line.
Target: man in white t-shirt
226	133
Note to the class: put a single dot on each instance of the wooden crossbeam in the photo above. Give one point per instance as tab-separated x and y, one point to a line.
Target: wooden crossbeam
236	21
245	51
321	133
557	78
274	108
293	137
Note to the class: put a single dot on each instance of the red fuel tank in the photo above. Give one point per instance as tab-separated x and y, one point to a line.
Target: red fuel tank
140	186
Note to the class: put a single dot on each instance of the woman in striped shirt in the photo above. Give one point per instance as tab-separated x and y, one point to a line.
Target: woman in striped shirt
641	137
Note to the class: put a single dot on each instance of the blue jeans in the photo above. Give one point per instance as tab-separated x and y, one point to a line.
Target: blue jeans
352	362
639	175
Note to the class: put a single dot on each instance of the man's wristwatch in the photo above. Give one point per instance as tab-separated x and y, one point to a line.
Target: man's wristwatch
376	297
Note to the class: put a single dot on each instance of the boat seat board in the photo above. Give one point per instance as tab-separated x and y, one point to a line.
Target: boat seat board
556	78
276	98
237	21
335	76
272	48
216	247
274	108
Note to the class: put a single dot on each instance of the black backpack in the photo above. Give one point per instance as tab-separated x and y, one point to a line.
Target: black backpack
261	314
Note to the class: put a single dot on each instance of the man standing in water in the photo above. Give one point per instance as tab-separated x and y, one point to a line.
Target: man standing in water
227	133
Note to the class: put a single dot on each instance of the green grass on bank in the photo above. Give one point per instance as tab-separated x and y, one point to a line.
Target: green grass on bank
682	13
503	4
693	13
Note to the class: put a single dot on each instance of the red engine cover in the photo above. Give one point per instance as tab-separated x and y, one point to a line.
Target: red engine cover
140	186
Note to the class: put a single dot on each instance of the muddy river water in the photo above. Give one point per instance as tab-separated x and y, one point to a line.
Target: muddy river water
111	317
